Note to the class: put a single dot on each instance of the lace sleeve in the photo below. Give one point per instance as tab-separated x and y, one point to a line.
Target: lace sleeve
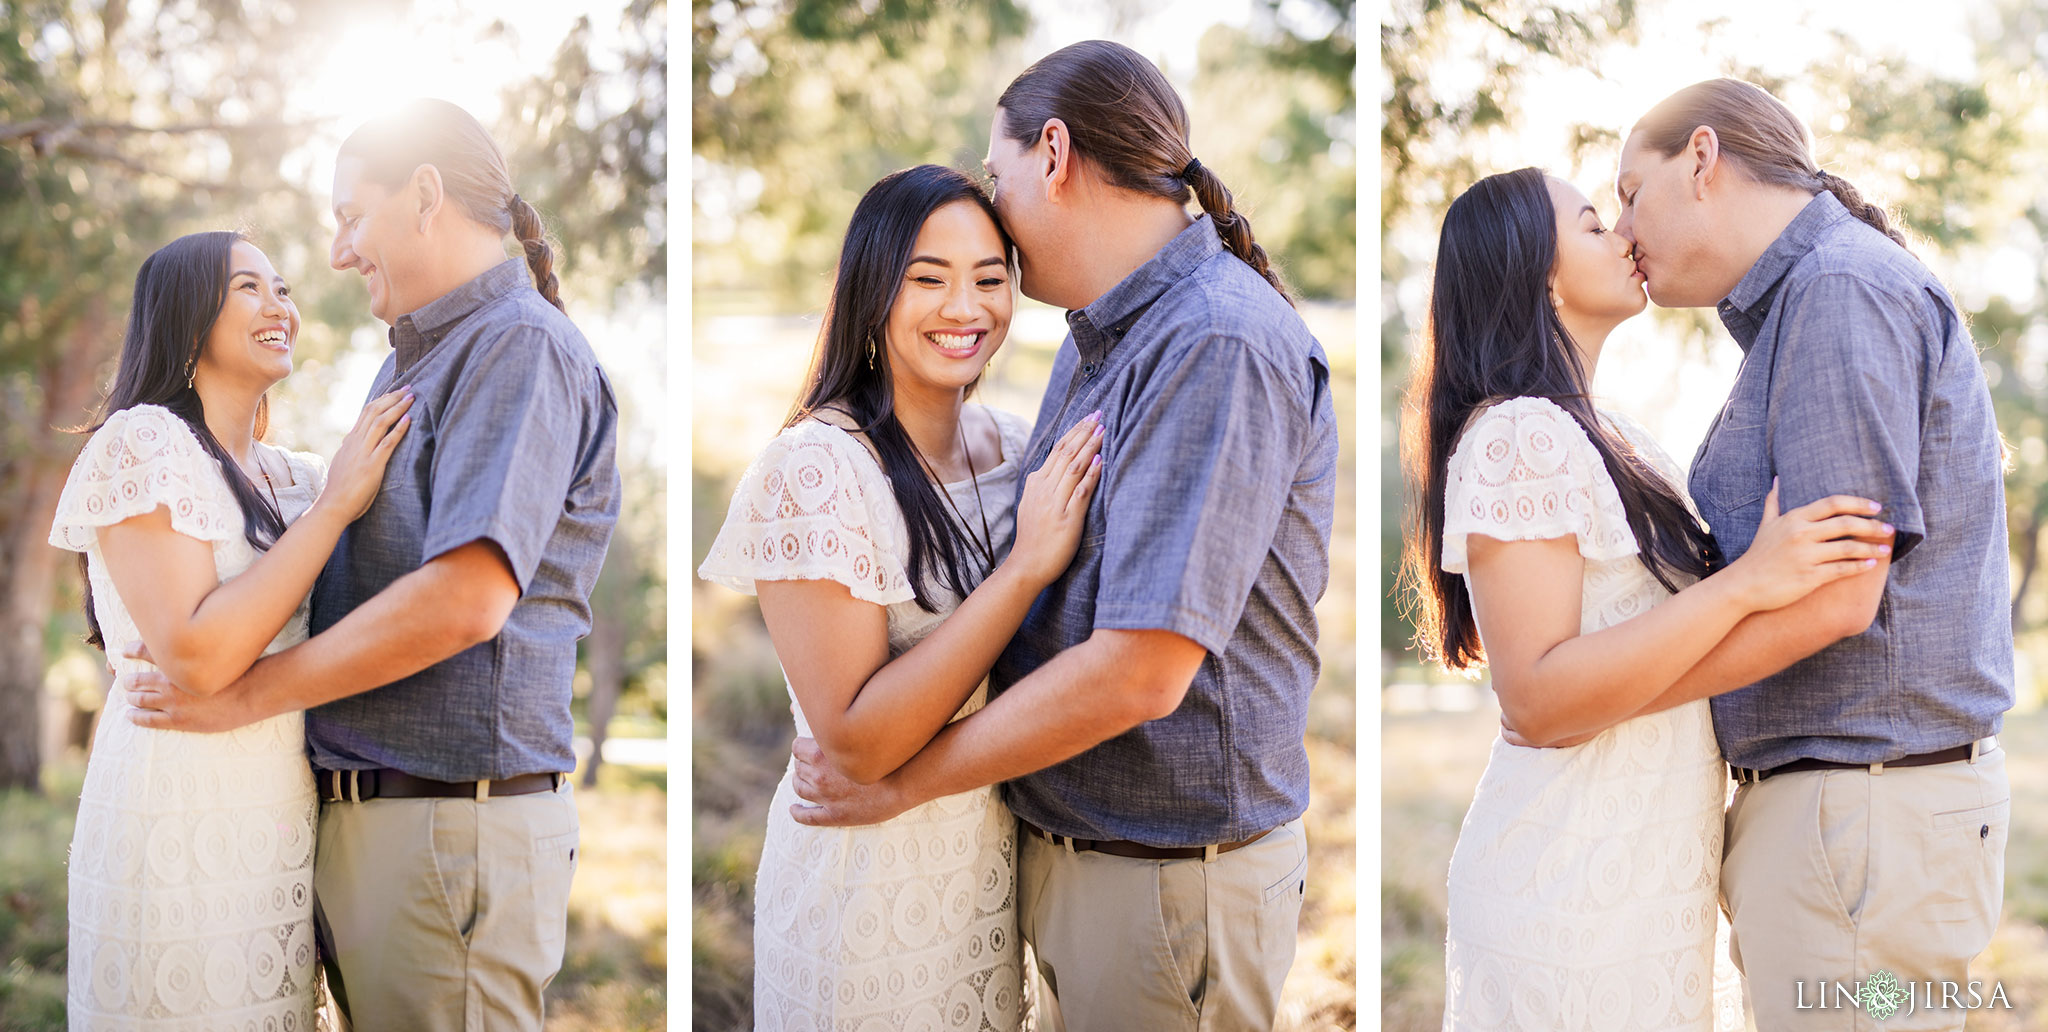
141	459
1526	471
806	510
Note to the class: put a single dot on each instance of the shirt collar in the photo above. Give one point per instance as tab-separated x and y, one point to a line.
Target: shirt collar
1105	320
1744	309
416	332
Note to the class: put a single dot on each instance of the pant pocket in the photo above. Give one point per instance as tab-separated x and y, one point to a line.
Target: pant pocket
454	832
554	868
1966	865
1842	828
1183	907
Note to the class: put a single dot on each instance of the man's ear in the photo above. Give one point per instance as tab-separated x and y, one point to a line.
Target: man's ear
1705	149
1058	172
428	194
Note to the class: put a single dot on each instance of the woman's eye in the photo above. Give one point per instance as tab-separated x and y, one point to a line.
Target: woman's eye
992	282
930	281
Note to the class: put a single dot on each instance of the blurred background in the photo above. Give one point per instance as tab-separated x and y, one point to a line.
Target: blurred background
1938	112
123	125
798	107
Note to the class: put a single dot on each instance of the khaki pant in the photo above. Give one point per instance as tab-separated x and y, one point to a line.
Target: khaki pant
439	915
1840	874
1162	945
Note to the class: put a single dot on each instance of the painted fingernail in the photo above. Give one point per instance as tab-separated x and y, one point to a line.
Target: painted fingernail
1877	507
1888	528
1097	432
1096	416
1868	563
1096	461
1884	550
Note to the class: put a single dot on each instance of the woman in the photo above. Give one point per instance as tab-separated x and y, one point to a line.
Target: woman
871	528
1583	885
191	864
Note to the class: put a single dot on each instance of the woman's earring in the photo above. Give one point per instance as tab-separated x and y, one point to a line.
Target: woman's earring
871	351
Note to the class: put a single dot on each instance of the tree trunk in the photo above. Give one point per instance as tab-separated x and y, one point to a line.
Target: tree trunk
30	480
2030	558
605	655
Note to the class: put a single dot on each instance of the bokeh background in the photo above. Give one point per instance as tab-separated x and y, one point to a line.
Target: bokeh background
123	125
1938	111
798	107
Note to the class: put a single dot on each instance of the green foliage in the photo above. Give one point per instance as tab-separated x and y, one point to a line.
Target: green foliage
32	894
799	105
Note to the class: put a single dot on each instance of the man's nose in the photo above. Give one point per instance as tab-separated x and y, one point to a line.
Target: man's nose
339	254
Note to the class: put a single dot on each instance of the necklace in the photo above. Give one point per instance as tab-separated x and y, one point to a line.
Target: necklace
986	543
268	483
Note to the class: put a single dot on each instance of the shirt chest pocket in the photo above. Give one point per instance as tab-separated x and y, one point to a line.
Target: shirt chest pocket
1733	473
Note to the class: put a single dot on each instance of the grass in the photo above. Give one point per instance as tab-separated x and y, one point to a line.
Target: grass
1431	762
614	970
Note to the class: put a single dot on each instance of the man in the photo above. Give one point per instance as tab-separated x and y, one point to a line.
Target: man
437	682
1152	707
1868	832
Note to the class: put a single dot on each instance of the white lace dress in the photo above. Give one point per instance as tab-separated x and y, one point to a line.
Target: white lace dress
909	925
191	869
1584	885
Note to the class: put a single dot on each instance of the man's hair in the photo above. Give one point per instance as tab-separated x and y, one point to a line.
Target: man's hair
437	133
1760	134
1126	120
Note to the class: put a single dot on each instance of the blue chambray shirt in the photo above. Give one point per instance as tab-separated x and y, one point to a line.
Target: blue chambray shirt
1859	378
512	441
1212	520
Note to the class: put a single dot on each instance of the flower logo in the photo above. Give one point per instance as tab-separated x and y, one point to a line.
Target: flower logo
1881	995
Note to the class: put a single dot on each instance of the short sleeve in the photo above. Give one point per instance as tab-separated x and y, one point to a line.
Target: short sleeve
1197	473
142	459
1526	471
1845	407
814	506
524	439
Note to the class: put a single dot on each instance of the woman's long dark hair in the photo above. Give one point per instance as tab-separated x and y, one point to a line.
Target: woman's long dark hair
1494	335
872	264
179	292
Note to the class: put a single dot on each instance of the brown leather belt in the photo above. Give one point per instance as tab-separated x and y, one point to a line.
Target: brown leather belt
1138	850
356	786
1958	754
